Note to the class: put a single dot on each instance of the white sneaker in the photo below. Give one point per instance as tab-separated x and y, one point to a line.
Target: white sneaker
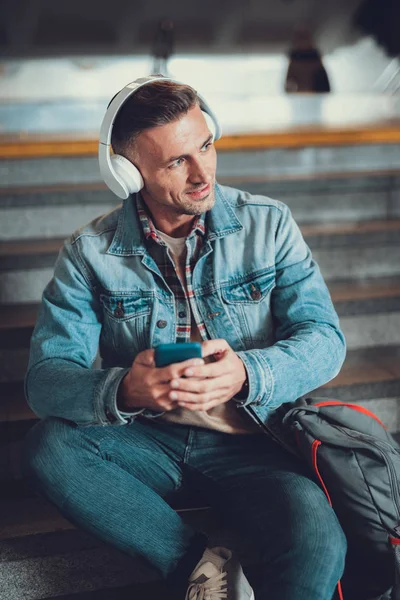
218	576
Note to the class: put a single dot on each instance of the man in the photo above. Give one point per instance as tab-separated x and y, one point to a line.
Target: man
186	259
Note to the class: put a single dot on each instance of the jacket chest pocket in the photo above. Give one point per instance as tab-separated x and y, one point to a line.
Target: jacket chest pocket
248	304
126	325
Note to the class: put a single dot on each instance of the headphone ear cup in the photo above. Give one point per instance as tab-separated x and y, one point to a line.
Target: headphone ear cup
128	175
210	123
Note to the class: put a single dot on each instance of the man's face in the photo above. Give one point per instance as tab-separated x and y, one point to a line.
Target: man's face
177	162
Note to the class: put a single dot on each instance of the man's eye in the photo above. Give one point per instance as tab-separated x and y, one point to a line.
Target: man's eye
177	163
206	146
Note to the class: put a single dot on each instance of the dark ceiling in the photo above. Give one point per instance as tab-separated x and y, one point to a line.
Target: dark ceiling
33	28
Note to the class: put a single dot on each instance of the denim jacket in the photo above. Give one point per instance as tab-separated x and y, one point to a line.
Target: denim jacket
255	284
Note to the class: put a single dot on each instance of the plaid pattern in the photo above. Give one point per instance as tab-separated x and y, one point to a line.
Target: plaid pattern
185	303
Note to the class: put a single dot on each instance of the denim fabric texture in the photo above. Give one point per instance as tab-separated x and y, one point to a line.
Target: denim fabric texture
255	284
116	483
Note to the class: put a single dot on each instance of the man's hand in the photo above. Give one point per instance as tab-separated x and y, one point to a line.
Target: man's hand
204	387
146	386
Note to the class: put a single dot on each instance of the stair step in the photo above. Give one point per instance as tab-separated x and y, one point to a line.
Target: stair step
13	364
51	190
18	316
367	289
367	373
358	227
16	325
14	317
17	248
49	221
17	255
359	262
13	405
371	330
378	231
61	573
372	364
376	296
72	562
145	591
30	515
58	209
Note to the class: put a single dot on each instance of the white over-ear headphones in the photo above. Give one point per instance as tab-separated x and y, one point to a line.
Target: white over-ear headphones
121	176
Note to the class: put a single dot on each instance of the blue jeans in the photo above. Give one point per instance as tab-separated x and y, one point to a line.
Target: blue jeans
115	483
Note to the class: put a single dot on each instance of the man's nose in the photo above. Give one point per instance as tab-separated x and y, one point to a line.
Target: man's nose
198	173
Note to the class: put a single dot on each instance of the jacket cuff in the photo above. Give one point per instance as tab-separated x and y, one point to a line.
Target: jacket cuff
259	377
105	399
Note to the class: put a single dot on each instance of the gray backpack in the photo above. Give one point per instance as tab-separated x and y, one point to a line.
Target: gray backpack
357	463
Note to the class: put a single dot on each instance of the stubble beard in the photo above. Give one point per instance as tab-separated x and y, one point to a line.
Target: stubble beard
198	207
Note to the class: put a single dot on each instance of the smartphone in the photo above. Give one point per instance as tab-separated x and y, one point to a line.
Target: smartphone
166	354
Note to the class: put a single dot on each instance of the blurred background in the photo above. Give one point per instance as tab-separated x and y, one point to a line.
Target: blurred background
61	62
308	94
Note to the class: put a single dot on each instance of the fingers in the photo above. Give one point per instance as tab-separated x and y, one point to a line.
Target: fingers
176	370
146	358
196	401
200	386
161	400
211	347
210	370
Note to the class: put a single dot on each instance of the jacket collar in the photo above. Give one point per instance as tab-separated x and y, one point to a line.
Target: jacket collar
129	238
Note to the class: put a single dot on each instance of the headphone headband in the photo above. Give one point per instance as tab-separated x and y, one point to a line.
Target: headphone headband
120	99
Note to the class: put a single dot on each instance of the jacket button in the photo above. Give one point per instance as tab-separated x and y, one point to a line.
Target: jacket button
213	315
161	324
119	311
256	294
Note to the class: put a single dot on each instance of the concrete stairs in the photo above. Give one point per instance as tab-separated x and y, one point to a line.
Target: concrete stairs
347	202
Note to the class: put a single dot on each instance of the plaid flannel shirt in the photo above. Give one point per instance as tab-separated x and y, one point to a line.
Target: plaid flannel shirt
185	302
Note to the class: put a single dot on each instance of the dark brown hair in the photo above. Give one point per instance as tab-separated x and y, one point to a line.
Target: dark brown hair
152	105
